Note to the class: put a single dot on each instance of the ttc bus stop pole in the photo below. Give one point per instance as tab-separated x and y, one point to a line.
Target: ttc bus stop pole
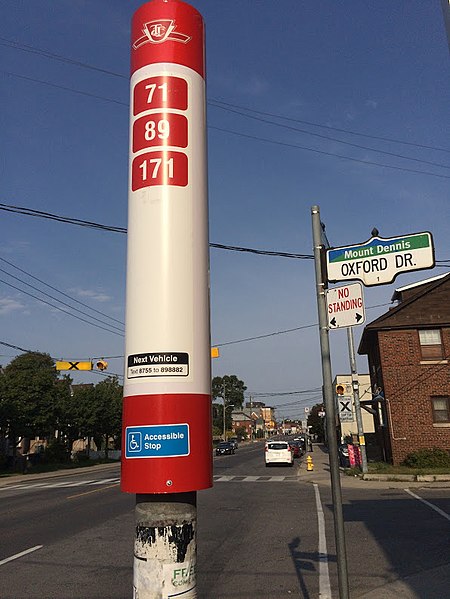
166	428
330	410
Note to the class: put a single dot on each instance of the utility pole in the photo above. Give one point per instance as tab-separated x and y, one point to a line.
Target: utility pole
224	415
339	531
355	386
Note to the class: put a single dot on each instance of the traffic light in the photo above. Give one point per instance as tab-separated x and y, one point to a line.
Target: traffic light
101	365
340	389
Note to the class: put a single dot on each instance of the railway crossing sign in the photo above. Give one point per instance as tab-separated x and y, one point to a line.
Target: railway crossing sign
73	365
345	409
345	306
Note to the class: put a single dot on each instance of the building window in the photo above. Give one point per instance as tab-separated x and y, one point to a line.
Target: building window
431	344
441	409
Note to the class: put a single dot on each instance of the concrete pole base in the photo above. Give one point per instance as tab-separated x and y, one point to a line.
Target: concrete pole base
165	546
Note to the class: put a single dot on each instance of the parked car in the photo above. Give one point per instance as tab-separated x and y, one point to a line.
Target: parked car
296	447
224	448
278	452
234	442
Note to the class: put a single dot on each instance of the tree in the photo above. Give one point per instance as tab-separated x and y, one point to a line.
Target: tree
316	422
108	412
231	390
29	395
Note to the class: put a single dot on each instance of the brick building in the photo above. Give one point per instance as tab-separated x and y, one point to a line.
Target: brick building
408	349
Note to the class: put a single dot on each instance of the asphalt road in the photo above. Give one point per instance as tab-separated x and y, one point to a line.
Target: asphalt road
262	533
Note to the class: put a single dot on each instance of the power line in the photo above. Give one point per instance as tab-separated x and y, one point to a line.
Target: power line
347	143
253	137
113	229
60	309
214	102
61	292
346	131
33	50
367	162
58	300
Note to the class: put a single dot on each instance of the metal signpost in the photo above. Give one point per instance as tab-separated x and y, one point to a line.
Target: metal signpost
166	435
345	308
339	532
378	261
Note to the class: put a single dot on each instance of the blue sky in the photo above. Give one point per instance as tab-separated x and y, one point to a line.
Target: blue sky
332	69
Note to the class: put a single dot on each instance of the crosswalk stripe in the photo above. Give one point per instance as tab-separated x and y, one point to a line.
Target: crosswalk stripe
253	479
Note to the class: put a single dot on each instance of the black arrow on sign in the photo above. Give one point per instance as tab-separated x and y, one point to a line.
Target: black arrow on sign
358	317
333	322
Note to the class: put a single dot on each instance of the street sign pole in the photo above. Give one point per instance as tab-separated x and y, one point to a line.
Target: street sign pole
339	531
355	385
166	432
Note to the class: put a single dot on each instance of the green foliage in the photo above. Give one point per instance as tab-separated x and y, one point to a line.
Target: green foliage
316	422
56	452
231	390
81	457
428	458
229	387
241	432
30	392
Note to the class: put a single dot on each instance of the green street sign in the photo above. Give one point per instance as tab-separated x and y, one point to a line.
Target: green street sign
379	260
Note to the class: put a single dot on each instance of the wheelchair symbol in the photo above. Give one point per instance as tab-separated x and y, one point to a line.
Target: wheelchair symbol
134	442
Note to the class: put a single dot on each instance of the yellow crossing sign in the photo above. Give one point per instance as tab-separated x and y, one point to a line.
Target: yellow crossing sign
74	365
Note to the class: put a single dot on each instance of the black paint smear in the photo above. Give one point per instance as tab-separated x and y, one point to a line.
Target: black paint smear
178	535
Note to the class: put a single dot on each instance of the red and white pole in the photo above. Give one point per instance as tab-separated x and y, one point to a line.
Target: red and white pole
166	441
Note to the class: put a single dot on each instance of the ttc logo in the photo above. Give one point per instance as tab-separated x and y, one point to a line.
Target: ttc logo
159	31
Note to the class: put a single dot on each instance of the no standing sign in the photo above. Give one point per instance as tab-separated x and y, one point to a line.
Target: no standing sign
345	306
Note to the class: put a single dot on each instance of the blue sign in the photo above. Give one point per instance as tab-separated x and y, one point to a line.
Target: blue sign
157	441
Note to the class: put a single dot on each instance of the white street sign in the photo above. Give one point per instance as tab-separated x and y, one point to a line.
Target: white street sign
345	409
345	306
379	260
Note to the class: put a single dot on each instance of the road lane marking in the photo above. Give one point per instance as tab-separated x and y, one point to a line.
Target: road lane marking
94	491
431	505
324	575
59	485
21	554
106	480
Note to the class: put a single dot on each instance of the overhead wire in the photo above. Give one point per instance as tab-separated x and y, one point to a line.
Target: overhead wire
213	101
240	134
60	301
334	139
60	309
61	292
115	229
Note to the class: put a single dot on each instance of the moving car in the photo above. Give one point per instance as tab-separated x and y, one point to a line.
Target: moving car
224	448
278	452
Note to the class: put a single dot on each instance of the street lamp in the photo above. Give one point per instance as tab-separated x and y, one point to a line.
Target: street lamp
224	421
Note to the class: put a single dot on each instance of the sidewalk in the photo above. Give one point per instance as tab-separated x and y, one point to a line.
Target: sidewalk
429	584
321	475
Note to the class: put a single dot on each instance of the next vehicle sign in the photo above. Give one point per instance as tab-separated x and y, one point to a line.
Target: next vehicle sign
378	261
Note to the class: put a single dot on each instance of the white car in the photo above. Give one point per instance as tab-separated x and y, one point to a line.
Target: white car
278	452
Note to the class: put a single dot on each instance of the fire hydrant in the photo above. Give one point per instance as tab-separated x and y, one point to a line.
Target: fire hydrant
309	464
